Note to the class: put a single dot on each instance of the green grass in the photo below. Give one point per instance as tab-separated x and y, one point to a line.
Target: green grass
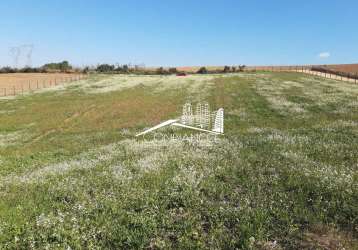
72	174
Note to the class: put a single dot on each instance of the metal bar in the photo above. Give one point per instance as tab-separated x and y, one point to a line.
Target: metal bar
194	128
163	124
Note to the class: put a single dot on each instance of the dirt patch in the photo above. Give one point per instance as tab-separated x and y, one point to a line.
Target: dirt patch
323	237
346	68
18	83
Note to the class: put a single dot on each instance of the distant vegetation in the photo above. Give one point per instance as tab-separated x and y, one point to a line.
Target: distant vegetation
63	67
66	67
126	69
202	70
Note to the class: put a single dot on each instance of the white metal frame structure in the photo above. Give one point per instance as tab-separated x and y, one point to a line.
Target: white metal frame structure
201	119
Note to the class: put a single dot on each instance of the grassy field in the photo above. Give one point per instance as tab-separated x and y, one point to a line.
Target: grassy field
284	175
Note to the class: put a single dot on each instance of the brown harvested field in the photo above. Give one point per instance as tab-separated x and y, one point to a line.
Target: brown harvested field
346	68
17	83
194	69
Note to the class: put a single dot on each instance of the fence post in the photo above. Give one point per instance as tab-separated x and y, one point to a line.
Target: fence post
22	88
14	90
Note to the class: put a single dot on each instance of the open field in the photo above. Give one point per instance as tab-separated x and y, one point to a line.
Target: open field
284	175
15	83
346	68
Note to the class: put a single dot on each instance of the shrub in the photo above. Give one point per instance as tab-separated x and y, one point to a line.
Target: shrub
85	70
105	68
173	70
7	70
161	71
61	66
226	69
29	70
125	68
242	68
202	70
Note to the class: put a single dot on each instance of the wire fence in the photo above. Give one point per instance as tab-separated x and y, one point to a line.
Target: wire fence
31	85
312	70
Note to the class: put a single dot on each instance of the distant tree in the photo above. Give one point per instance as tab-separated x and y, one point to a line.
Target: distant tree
173	70
242	67
119	69
202	70
125	68
233	68
29	70
226	69
61	66
65	66
105	68
161	71
7	70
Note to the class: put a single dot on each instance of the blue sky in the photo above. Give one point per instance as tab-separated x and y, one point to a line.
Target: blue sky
178	33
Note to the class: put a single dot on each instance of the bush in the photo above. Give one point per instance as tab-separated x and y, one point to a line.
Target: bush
173	70
30	70
161	71
61	66
242	68
202	70
105	68
226	69
7	70
85	70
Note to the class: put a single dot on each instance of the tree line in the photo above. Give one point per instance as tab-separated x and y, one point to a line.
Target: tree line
63	67
125	69
66	67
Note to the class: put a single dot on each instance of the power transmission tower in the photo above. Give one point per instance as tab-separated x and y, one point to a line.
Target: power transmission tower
29	49
17	51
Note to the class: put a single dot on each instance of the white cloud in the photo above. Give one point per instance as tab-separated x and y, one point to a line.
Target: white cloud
324	55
